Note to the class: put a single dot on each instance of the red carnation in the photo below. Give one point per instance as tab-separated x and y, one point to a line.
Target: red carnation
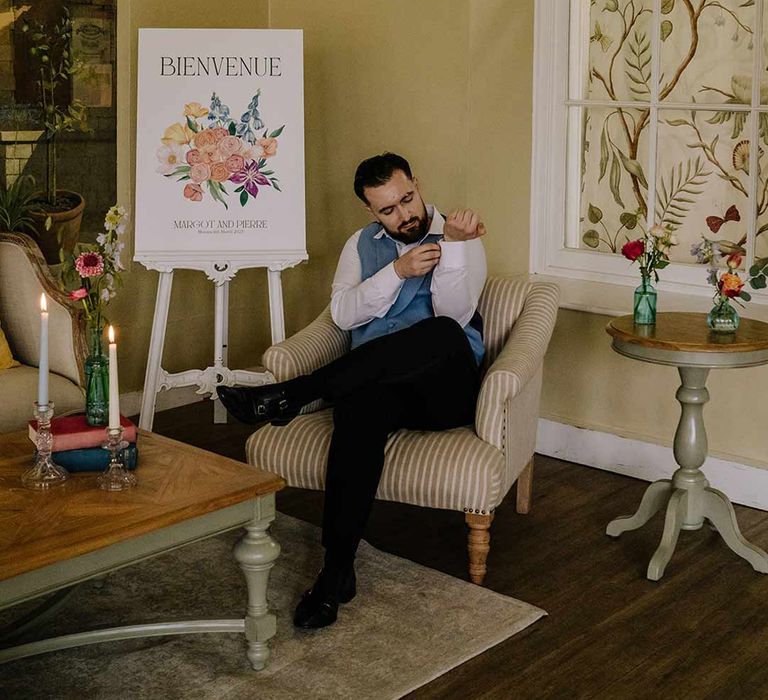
633	249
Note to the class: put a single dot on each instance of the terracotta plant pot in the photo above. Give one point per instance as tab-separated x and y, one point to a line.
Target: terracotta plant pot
65	226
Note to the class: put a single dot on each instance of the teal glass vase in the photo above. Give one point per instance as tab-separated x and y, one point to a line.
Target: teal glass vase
723	318
96	379
645	303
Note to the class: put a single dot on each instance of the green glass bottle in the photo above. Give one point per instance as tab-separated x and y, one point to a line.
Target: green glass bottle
96	379
645	302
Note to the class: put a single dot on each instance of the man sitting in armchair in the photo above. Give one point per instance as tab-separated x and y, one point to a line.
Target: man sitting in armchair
407	287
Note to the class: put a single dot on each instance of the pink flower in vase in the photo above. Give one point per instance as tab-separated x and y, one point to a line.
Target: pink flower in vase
89	265
78	294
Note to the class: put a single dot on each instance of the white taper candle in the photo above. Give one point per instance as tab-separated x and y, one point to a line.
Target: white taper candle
114	390
42	382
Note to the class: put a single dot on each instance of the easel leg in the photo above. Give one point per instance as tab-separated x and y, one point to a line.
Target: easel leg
221	334
277	319
156	344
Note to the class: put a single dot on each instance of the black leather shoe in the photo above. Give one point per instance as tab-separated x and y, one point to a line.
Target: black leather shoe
319	606
257	404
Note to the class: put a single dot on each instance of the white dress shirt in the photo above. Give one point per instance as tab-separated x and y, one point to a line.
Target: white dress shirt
457	280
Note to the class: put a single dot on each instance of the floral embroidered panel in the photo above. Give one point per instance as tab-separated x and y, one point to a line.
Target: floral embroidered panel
689	68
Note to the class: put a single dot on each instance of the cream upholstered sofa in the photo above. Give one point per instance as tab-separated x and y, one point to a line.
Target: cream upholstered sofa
468	469
24	275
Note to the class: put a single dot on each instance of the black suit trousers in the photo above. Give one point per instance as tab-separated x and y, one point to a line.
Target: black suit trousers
424	377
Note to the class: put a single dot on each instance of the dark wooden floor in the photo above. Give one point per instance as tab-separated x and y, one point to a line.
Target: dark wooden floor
700	632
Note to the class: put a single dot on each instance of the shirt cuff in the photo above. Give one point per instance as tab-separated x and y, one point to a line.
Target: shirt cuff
453	254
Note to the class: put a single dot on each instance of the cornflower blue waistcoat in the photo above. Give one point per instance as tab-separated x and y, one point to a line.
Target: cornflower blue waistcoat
413	303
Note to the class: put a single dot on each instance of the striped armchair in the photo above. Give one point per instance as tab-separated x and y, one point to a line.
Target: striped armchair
468	469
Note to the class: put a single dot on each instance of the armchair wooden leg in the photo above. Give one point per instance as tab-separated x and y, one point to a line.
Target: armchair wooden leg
524	488
478	544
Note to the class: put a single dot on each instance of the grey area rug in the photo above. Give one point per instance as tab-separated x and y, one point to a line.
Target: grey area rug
407	626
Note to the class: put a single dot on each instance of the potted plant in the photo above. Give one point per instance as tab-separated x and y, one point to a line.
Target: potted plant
15	202
57	212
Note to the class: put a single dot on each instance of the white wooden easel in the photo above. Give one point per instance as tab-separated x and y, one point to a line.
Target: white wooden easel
220	273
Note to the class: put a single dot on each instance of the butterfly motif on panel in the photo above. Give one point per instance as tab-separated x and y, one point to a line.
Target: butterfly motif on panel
715	222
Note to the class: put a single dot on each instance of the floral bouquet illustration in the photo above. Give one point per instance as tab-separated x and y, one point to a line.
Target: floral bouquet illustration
210	149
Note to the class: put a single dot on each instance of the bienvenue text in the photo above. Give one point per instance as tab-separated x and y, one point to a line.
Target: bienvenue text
226	66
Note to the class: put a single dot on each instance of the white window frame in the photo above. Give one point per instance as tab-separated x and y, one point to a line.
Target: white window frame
554	194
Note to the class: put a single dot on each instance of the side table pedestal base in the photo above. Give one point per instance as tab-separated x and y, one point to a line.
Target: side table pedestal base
687	509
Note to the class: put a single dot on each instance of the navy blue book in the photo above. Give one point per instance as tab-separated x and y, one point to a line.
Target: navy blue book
93	459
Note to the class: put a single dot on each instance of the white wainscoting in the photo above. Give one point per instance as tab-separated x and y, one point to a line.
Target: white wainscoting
742	483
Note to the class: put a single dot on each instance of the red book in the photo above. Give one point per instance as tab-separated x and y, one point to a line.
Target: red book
74	433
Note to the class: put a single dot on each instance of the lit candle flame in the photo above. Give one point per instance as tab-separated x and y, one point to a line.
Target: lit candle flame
111	334
43	303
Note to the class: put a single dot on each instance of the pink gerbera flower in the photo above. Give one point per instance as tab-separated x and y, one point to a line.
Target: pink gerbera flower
78	294
89	265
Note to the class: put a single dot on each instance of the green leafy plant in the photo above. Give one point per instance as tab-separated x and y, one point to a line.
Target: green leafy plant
50	54
15	204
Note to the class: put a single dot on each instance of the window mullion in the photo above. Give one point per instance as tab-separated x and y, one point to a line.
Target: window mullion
578	51
653	117
671	106
754	135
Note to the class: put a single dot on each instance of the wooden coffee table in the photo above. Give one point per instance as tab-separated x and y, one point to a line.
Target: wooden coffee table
53	539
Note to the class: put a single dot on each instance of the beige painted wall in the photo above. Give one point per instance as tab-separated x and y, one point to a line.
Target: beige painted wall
448	84
420	78
498	154
590	386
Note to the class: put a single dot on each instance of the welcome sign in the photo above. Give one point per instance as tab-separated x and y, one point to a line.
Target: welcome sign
220	144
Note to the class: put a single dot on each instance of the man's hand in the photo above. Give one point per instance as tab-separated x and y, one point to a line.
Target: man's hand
463	225
418	261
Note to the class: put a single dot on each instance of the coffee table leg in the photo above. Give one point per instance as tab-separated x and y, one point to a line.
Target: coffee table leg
256	553
720	513
654	499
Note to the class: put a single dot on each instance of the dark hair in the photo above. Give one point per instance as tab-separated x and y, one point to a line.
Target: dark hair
377	170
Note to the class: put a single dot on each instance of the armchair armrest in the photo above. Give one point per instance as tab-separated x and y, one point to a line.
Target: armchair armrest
517	363
314	346
24	275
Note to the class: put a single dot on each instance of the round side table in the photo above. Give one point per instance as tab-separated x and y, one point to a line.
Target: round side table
683	340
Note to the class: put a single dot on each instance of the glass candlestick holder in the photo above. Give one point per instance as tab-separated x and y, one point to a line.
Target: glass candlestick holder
44	473
116	477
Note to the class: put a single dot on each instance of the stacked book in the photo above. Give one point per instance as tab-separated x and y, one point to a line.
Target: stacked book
77	446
